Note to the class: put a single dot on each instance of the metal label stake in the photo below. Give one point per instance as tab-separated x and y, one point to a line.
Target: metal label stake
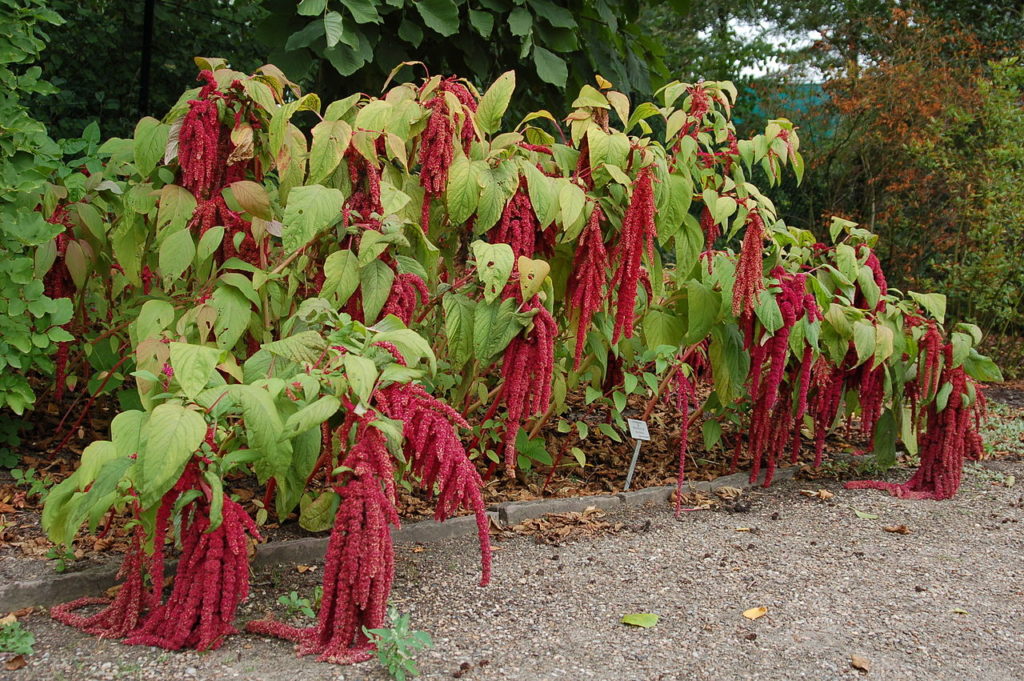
638	431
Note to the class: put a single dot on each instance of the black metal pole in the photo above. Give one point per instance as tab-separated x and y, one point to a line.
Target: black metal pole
147	56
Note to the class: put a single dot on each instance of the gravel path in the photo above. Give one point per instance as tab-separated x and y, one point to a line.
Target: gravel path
941	602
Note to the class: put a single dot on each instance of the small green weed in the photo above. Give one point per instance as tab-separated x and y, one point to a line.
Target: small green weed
63	557
14	639
37	486
296	605
396	645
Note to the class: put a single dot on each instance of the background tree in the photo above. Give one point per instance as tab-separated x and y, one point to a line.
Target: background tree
96	58
345	45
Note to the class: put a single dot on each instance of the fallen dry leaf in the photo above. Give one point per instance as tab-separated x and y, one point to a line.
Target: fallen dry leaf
301	569
8	619
743	529
16	662
822	494
897	529
860	662
755	613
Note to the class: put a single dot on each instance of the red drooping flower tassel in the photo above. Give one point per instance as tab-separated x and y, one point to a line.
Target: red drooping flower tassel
402	300
365	200
950	439
438	457
211	581
749	277
359	566
685	394
829	382
587	282
122	615
527	369
518	226
637	237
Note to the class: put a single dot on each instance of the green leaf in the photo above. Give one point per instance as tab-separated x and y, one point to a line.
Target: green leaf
330	141
412	346
193	365
520	22
662	328
458	327
318	515
494	264
768	312
176	255
305	347
933	303
711	430
571	202
981	368
363	11
375	281
149	144
310	416
884	440
361	373
864	340
154	317
341	276
311	8
483	22
311	210
462	192
440	15
494	326
495	101
644	620
863	515
550	67
172	435
233	315
703	306
263	429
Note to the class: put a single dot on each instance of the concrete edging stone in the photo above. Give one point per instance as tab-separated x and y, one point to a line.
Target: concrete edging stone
94	581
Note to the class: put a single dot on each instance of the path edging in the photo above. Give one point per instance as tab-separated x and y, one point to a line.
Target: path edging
94	581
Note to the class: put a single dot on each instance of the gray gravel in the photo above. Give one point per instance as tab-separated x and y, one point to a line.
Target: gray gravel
942	602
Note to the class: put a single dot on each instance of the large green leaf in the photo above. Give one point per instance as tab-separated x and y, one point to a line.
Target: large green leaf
458	327
550	67
311	416
375	281
172	435
193	366
494	264
495	102
149	144
439	15
311	209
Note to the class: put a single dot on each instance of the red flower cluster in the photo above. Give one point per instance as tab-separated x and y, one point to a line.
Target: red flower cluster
359	566
636	238
526	370
122	615
437	145
587	282
204	150
773	424
749	275
364	177
438	457
951	438
402	300
211	581
519	226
